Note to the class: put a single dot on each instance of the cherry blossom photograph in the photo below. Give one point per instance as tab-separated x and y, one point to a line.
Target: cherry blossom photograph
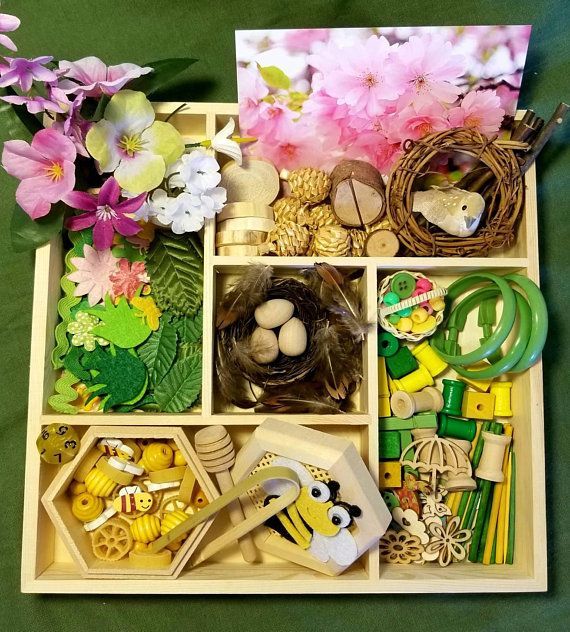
312	96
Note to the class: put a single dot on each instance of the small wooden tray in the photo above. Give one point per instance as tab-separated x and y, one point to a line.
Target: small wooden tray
46	564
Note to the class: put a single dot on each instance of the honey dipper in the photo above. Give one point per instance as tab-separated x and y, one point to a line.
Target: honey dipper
216	452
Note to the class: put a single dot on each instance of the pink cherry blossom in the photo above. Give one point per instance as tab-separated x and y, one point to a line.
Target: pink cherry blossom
8	23
301	40
46	169
23	72
93	274
274	121
427	66
361	81
252	90
105	213
93	78
421	119
480	110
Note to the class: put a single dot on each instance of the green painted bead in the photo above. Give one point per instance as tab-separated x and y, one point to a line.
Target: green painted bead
401	363
394	319
391	298
457	428
388	344
404	313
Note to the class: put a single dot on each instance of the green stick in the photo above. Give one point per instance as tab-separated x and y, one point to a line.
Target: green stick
486	487
470	512
486	427
494	549
469	500
485	529
512	511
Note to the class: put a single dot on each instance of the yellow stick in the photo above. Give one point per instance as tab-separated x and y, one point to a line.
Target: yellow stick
501	549
507	504
450	498
454	508
474	442
497	493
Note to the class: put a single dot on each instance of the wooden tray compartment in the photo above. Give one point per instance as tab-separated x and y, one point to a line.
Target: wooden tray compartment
46	564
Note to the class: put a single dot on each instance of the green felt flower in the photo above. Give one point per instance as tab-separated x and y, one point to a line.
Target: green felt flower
81	328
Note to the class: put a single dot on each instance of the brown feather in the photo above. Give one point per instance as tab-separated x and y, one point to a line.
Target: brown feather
232	386
301	397
245	295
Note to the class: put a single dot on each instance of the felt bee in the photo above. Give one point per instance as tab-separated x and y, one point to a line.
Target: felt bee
317	521
115	447
132	499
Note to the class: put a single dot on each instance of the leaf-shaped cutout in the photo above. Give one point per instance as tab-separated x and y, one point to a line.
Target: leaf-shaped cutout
181	386
120	324
190	329
174	265
159	351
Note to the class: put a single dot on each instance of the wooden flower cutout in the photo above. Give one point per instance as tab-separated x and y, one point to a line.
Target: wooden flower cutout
447	543
400	547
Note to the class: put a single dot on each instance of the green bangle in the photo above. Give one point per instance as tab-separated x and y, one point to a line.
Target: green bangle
539	325
456	289
516	350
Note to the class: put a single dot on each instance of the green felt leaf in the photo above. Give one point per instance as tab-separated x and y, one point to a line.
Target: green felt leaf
159	351
174	264
29	234
190	328
30	121
274	77
79	239
119	325
120	376
128	251
181	386
73	363
165	70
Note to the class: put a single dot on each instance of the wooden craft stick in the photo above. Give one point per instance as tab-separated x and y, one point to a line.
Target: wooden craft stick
456	502
512	511
497	493
450	498
507	504
475	440
503	507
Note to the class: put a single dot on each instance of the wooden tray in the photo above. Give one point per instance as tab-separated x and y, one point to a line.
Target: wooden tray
46	564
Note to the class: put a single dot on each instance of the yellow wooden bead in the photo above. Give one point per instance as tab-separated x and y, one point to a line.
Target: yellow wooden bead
502	393
75	488
390	474
157	456
414	382
437	303
478	405
425	354
99	484
404	324
86	507
146	528
421	328
179	458
419	315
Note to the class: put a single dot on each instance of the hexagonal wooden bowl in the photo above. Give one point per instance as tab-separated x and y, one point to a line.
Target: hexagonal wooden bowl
78	541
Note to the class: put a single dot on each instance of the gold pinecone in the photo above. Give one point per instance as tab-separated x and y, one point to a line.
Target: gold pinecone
288	239
357	239
287	209
322	215
331	241
309	185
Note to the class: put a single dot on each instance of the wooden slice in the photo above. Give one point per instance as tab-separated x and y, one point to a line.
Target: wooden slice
238	251
381	243
240	237
255	181
245	209
357	193
246	223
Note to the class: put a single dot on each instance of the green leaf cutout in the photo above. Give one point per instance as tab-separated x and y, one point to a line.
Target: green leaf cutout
190	329
181	386
120	376
29	234
165	70
274	77
119	325
159	351
174	265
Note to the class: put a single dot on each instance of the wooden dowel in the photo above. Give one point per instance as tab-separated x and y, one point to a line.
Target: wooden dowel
512	511
544	135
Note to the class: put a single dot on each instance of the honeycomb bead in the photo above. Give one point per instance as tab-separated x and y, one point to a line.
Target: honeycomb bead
99	484
170	520
179	458
157	456
146	528
75	488
86	507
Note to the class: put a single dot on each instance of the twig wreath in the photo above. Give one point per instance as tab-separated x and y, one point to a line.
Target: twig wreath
501	185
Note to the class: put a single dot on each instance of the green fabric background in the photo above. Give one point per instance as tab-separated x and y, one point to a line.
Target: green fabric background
140	31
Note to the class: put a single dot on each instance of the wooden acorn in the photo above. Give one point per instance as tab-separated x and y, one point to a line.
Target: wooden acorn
308	184
357	193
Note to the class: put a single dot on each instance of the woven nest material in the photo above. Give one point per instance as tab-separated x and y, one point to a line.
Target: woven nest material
503	193
412	301
285	370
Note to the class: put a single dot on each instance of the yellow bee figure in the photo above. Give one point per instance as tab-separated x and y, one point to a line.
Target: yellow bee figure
132	499
317	521
115	447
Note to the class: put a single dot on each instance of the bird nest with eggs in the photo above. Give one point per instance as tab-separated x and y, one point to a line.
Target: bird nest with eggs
497	179
290	345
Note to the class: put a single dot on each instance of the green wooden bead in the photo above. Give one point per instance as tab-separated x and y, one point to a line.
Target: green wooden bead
401	363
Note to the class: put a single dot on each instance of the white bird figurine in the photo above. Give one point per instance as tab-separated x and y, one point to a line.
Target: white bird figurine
455	211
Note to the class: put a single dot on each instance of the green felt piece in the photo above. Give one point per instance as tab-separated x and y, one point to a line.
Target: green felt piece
72	363
119	376
401	363
159	351
175	268
181	386
389	444
126	250
120	324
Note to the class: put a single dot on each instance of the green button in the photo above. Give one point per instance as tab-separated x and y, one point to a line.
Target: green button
388	344
403	284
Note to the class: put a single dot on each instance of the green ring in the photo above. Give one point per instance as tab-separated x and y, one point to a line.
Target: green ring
501	331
